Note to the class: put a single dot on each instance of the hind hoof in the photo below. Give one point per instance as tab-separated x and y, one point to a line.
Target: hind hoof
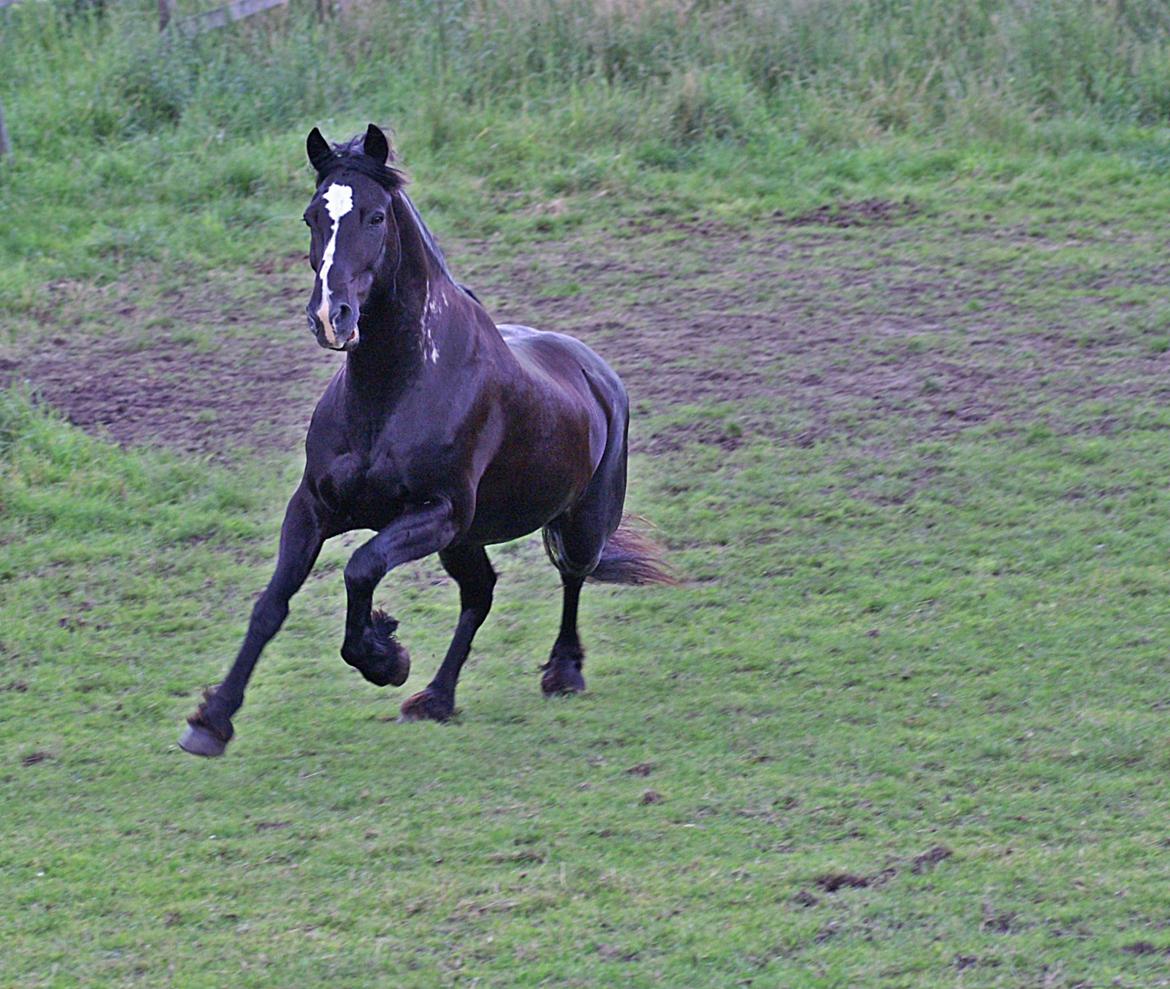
197	740
427	705
559	680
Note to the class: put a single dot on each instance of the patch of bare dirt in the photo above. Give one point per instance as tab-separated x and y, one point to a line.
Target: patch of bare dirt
794	328
832	882
806	335
929	859
861	213
247	387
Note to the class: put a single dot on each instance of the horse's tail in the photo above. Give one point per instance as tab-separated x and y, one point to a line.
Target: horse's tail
631	557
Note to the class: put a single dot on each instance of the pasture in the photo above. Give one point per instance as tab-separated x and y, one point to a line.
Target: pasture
897	345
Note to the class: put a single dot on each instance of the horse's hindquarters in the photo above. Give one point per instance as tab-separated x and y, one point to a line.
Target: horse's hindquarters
558	424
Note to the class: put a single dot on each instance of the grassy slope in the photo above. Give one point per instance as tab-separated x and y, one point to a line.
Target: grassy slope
890	644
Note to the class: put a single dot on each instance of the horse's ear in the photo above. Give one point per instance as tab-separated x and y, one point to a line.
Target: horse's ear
376	145
318	149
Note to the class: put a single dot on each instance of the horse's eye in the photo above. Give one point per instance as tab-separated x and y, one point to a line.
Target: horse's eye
377	218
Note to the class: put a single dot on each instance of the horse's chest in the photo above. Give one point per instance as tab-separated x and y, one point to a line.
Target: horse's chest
368	488
363	491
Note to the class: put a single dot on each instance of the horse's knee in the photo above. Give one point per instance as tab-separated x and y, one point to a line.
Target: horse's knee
268	615
359	573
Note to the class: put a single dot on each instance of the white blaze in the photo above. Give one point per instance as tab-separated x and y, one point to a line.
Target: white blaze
338	202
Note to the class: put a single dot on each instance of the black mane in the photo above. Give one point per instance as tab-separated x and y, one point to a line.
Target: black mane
350	156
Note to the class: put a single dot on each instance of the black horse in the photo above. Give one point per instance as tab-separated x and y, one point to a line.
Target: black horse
443	433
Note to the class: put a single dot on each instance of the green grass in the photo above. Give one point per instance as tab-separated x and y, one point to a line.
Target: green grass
861	669
890	642
903	725
131	148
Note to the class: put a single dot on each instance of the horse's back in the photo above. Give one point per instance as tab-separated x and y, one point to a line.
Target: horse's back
566	360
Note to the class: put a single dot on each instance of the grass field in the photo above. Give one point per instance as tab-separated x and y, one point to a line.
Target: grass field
900	385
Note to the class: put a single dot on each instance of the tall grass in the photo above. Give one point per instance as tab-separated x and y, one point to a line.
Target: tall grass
900	64
176	142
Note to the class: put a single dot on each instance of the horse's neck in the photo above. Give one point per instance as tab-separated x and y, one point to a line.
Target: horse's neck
403	332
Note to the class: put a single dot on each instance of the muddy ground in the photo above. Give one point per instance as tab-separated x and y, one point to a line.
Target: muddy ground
802	328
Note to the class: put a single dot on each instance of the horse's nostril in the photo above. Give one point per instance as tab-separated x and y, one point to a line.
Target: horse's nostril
343	317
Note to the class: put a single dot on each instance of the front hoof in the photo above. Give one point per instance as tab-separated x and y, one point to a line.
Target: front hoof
560	680
207	734
427	705
390	670
381	658
200	741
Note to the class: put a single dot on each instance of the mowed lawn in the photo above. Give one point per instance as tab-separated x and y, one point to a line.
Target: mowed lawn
904	723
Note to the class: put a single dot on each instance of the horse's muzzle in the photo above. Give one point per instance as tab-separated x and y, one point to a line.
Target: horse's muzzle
342	333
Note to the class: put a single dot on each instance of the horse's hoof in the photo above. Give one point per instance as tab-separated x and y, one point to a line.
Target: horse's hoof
392	670
399	672
199	741
560	680
427	705
381	658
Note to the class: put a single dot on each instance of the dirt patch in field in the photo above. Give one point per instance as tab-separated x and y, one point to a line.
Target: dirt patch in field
841	322
244	394
807	334
863	213
205	387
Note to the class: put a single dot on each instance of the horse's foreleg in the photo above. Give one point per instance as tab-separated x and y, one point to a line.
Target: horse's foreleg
369	644
210	727
473	572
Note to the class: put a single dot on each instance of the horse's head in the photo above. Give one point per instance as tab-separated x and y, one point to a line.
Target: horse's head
354	236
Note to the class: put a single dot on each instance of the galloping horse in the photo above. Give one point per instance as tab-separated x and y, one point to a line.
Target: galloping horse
443	433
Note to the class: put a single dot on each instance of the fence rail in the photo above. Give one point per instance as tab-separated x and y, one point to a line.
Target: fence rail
209	20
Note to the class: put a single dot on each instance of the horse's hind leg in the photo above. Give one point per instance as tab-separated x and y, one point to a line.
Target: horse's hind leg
575	542
562	672
473	572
